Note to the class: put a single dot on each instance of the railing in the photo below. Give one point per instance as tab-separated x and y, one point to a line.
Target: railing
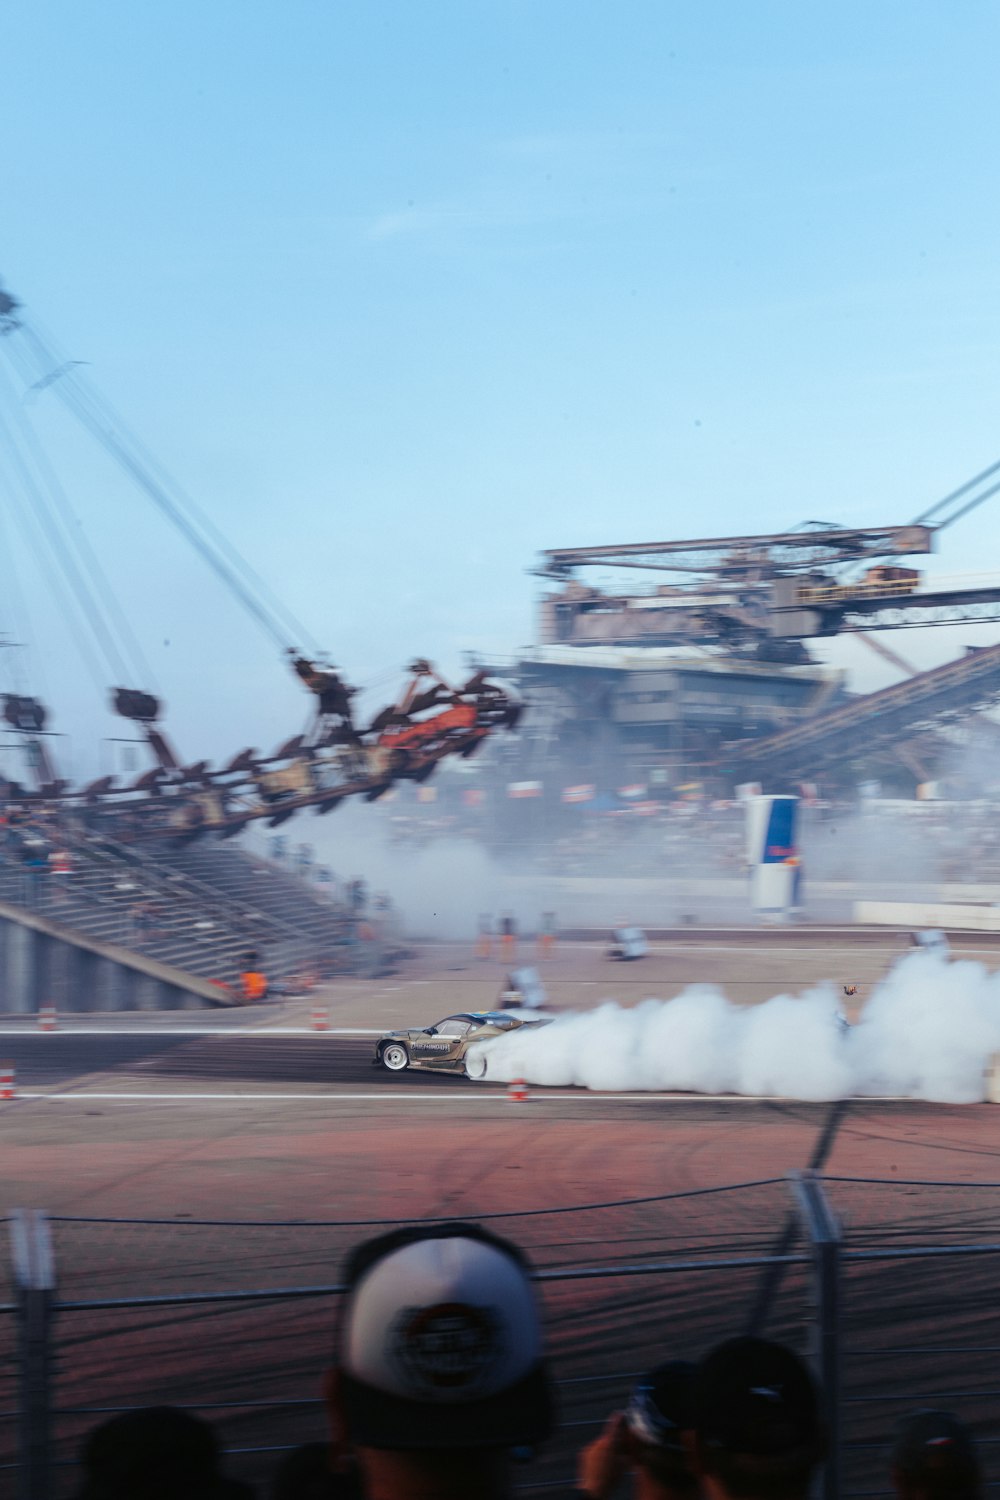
872	588
895	1311
117	1344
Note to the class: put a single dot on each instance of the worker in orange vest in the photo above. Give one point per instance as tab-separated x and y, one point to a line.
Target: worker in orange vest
254	985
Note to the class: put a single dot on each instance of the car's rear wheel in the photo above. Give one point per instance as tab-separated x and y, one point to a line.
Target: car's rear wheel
395	1057
475	1067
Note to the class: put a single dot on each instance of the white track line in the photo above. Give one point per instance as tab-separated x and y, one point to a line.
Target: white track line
493	1096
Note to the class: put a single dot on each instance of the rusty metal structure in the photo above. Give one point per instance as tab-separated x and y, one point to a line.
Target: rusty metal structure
332	760
703	670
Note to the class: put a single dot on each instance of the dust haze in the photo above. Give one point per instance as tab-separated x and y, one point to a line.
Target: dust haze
598	872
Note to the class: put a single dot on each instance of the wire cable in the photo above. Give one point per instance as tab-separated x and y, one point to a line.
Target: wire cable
64	560
73	532
18	614
102	421
963	489
64	603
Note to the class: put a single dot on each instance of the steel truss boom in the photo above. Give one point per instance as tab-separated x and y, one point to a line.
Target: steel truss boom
772	553
952	691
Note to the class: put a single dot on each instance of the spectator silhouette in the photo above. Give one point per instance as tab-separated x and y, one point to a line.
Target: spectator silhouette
155	1453
934	1458
439	1371
758	1433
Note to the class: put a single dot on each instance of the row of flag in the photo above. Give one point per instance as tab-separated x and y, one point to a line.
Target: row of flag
585	792
635	794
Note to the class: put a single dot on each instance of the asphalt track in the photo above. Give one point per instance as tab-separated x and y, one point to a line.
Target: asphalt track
259	1068
61	1059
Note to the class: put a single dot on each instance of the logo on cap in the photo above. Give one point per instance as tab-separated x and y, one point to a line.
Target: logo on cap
446	1348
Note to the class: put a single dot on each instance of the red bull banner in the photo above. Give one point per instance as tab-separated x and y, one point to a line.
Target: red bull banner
584	793
524	789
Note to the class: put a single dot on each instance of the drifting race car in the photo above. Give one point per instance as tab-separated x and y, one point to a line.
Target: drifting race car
443	1047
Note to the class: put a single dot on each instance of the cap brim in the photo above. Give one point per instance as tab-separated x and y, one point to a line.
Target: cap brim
512	1419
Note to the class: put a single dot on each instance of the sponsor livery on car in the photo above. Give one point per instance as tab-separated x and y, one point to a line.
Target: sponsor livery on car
444	1047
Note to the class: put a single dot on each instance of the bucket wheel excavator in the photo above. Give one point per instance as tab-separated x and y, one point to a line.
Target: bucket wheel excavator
332	759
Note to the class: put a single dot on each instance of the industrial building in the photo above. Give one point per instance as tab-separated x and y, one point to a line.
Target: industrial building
704	675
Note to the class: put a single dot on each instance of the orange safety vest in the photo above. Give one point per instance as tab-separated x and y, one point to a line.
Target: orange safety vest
254	985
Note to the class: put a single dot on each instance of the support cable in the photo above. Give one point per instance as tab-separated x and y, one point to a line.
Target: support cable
17	614
104	424
963	489
64	602
35	506
72	531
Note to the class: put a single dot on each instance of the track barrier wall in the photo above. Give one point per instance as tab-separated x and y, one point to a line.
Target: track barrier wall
888	1288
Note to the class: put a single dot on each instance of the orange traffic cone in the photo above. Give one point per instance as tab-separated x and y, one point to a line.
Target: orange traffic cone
7	1090
517	1091
320	1018
46	1018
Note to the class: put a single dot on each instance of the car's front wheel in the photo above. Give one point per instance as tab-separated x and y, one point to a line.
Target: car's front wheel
395	1057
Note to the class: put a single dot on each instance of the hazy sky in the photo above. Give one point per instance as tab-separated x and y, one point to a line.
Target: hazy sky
404	292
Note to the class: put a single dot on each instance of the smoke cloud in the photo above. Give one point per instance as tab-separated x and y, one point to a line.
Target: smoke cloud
927	1032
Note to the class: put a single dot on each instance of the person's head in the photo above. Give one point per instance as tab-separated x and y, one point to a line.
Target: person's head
758	1429
158	1452
439	1370
934	1458
659	1419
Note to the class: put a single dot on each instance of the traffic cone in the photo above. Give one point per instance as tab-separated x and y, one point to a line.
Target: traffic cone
517	1091
46	1018
7	1089
320	1018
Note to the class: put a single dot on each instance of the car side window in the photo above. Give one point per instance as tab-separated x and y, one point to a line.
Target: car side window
453	1028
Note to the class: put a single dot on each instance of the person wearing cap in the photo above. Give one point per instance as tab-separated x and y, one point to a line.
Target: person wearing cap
934	1458
650	1439
758	1430
439	1371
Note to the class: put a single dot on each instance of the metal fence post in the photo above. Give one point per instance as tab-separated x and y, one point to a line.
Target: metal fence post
35	1285
823	1228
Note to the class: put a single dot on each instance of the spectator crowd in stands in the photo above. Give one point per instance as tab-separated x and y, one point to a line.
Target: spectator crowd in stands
440	1383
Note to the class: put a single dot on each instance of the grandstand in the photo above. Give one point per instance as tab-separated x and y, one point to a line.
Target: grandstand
201	911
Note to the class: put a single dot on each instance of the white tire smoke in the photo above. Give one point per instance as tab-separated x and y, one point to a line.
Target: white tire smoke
927	1032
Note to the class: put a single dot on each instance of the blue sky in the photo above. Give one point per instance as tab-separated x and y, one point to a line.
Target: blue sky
403	293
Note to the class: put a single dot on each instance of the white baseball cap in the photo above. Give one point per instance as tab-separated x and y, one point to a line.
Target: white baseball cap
440	1343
